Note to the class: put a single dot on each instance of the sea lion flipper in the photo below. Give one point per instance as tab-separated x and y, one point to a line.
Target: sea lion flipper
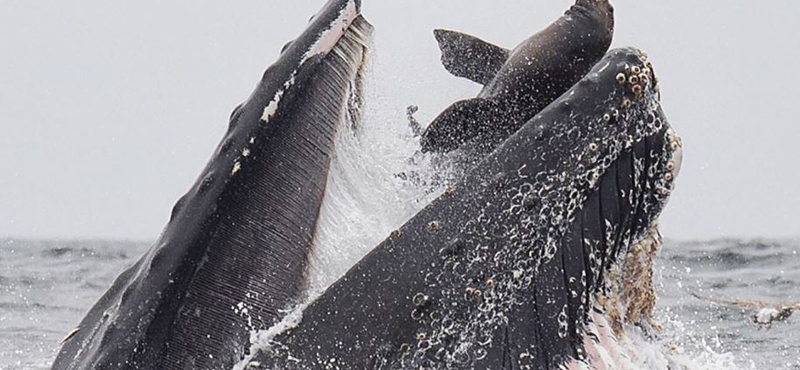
459	123
470	57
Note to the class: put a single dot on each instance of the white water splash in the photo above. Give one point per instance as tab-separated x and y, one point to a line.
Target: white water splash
262	339
365	199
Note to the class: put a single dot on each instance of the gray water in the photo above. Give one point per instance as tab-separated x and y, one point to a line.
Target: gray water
47	286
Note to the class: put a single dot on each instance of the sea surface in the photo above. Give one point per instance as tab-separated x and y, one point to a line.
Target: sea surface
47	286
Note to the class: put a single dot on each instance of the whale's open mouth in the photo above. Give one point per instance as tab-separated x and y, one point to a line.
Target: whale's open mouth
539	257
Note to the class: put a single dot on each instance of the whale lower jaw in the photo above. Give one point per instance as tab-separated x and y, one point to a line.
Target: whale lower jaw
235	251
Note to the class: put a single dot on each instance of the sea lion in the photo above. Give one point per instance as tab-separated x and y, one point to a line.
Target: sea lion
517	83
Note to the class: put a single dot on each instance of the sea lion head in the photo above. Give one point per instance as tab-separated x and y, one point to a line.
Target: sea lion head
601	4
602	11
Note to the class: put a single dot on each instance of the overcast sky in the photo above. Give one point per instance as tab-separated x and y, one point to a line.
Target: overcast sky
108	110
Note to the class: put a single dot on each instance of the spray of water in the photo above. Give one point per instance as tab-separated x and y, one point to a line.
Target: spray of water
369	191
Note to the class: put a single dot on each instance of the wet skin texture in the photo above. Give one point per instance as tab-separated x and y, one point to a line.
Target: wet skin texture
501	271
235	250
517	83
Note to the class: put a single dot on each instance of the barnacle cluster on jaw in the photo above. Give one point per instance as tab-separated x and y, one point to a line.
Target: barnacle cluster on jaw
628	296
675	141
638	78
673	146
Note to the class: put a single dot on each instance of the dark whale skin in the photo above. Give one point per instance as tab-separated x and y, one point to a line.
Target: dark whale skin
235	250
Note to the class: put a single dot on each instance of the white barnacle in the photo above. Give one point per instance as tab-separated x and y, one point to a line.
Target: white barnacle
274	104
419	299
246	152
563	326
526	356
272	107
236	167
595	179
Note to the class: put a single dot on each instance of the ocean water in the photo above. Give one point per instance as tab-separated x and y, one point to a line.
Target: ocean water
723	337
46	287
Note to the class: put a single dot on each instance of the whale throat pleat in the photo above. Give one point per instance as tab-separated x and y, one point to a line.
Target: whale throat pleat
255	262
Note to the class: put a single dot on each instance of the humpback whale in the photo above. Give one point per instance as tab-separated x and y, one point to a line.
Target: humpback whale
517	83
524	262
235	250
